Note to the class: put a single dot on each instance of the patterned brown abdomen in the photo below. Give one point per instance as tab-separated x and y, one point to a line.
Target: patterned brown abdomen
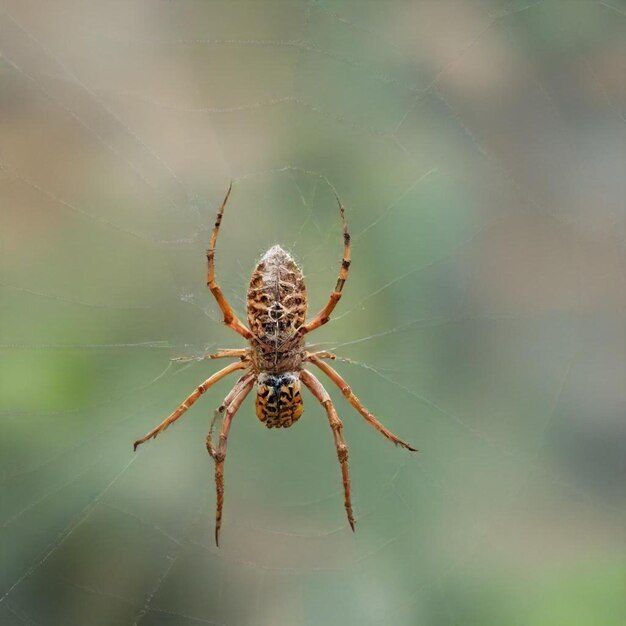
277	299
278	400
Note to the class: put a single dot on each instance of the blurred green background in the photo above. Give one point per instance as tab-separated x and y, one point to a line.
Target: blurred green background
479	149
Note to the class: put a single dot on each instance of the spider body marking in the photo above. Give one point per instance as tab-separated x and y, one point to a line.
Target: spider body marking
278	399
275	358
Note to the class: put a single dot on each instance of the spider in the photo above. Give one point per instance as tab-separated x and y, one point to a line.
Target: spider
274	362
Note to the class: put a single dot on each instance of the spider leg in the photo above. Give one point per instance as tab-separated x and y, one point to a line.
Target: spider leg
356	403
209	382
237	387
324	315
221	354
230	319
317	389
219	454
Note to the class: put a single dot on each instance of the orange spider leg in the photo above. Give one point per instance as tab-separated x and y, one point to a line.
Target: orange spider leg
220	409
230	319
189	401
356	403
317	389
221	354
232	402
324	315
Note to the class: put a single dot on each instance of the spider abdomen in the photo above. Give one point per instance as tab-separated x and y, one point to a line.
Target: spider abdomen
279	401
277	300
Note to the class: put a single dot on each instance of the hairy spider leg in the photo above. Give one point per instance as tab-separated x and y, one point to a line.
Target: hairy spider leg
324	315
356	403
336	425
234	400
230	319
209	382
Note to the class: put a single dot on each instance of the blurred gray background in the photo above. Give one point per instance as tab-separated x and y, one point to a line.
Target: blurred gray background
480	150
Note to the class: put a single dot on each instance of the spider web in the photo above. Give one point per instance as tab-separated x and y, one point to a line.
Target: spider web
479	151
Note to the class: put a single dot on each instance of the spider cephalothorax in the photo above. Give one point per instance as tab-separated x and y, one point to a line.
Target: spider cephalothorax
277	305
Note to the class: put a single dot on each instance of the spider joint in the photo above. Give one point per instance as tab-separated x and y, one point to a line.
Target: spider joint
346	391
